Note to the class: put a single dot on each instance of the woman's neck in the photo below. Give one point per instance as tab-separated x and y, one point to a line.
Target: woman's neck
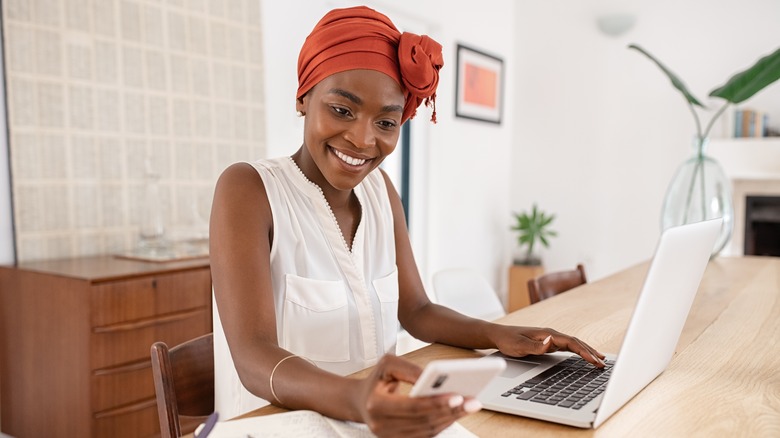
337	199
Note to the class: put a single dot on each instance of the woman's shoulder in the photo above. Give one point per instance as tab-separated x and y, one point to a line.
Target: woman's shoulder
238	172
239	182
253	169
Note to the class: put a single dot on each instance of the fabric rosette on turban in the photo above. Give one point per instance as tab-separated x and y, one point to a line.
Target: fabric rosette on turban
362	38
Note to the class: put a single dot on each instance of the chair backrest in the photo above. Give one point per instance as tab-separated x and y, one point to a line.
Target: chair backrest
553	283
466	291
183	384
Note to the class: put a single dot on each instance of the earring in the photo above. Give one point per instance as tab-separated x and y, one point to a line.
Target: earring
299	113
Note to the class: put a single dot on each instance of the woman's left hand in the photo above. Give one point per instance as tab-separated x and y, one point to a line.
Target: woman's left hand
522	341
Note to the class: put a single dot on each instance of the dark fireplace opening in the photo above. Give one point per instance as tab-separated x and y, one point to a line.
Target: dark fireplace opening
762	225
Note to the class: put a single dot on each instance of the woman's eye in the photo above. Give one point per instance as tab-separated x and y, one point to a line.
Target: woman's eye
388	124
341	111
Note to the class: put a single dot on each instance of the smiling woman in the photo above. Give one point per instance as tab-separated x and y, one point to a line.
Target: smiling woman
310	255
303	248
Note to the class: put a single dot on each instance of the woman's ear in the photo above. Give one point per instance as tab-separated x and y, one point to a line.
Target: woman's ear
299	105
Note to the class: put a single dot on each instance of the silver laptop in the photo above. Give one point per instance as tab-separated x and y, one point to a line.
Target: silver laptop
533	386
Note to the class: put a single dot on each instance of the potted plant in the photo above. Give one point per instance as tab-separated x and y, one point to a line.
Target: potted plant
533	230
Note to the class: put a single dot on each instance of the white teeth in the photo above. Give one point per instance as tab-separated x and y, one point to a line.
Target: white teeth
349	160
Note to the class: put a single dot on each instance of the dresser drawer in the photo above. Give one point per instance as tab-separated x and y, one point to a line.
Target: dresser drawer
138	420
125	343
141	298
122	385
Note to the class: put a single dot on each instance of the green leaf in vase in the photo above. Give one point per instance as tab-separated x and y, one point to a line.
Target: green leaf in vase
745	84
678	84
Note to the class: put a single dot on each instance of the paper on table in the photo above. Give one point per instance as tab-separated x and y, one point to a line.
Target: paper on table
306	423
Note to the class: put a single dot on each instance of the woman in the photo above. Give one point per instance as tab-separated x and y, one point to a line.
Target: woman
310	256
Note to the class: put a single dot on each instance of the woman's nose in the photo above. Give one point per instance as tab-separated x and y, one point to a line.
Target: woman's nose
361	134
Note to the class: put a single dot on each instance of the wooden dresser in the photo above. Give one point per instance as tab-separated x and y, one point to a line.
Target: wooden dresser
75	339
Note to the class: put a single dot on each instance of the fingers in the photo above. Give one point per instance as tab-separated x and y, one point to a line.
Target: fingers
392	368
540	347
524	341
420	416
570	343
531	343
388	413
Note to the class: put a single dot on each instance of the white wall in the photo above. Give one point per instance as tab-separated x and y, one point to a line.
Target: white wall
468	160
600	130
7	255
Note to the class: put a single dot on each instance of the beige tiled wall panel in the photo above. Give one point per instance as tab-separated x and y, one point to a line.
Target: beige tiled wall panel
100	91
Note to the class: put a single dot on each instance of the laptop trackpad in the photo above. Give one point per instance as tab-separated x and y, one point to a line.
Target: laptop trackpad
516	367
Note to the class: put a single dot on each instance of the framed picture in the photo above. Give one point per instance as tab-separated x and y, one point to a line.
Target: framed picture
479	85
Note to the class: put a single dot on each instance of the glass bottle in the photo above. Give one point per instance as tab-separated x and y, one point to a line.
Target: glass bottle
152	230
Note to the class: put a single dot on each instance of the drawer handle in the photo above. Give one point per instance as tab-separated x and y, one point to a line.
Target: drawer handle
146	322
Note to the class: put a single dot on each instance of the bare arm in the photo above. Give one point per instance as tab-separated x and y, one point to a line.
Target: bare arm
431	322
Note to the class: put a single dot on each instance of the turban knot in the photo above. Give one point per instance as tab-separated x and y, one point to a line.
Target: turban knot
420	60
361	38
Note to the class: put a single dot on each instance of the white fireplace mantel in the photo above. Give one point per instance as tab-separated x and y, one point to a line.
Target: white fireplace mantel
748	158
753	166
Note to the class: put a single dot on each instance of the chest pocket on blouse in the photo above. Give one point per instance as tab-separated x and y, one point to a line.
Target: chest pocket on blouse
316	319
387	291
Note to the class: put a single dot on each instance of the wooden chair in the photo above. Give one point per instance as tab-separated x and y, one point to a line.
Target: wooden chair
553	283
183	384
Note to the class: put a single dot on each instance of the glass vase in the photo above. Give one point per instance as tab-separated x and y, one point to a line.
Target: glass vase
700	190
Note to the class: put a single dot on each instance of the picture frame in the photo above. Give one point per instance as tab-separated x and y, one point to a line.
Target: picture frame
479	93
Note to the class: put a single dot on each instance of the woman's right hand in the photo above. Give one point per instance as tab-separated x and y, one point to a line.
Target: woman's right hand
389	413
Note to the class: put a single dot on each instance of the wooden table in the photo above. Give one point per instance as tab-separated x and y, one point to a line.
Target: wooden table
724	379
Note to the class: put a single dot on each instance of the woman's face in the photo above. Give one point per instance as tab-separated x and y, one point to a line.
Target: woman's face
353	120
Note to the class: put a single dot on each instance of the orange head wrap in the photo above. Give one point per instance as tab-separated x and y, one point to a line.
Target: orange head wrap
362	38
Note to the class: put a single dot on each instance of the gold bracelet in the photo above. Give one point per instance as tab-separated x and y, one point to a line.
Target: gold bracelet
271	378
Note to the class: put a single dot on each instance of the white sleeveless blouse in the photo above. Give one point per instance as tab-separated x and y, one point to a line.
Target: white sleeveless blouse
336	307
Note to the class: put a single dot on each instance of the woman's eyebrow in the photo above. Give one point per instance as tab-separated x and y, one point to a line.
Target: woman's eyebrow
356	100
393	108
346	94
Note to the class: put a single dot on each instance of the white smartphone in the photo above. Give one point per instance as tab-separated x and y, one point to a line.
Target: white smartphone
466	377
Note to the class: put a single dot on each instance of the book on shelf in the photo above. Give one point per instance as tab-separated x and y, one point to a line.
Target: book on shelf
750	123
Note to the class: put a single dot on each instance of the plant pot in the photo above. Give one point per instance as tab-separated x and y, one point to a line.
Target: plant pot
525	259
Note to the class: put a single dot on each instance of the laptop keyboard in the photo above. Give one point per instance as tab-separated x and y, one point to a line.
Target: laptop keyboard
570	384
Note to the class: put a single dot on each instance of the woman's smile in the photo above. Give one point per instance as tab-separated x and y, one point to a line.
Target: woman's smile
352	161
